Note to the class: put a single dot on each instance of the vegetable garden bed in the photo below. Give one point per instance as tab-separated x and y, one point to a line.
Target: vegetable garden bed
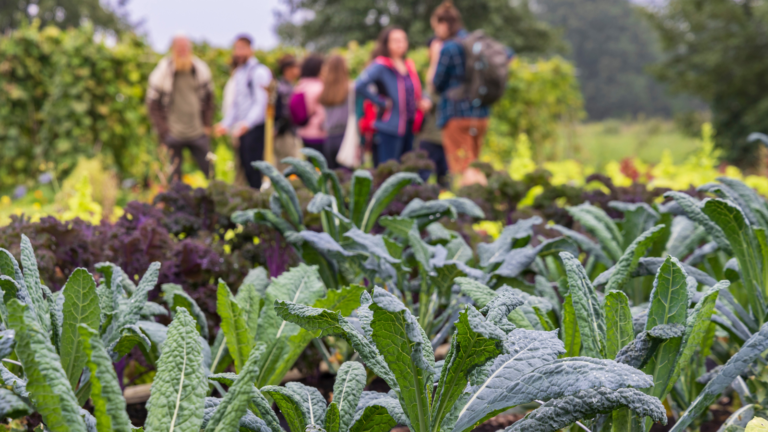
608	324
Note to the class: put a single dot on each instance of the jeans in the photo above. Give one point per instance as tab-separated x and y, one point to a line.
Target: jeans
199	147
251	150
390	147
436	154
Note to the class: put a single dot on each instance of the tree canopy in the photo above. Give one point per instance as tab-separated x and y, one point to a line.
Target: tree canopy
63	13
716	50
612	46
511	22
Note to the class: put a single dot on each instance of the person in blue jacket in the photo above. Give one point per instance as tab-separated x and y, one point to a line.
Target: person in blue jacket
392	84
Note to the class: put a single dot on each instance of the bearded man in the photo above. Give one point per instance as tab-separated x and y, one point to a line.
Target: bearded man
180	105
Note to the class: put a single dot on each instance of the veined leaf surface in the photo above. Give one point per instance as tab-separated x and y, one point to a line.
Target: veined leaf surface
589	314
47	383
81	306
178	391
106	394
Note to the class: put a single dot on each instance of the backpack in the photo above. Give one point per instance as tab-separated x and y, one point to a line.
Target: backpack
298	109
486	69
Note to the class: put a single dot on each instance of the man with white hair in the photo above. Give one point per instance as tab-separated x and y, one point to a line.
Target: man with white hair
180	104
245	121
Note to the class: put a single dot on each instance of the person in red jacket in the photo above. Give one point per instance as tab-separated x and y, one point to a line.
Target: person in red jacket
391	83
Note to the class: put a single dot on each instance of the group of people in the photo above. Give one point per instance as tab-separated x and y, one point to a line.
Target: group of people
316	104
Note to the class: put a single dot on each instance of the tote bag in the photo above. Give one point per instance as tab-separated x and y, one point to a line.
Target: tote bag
349	152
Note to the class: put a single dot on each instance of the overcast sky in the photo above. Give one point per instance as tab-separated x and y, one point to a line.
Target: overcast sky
215	21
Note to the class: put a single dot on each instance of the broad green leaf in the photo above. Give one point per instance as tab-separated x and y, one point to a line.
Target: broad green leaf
492	253
285	340
725	192
235	403
735	366
289	404
32	280
263	409
248	422
517	260
528	371
601	226
263	216
179	387
251	302
321	323
259	278
374	418
400	341
344	300
10	288
693	210
239	339
474	344
81	306
570	329
478	292
638	218
12	406
365	421
631	257
176	297
669	305
106	394
311	403
585	243
332	418
384	195
743	241
47	383
284	190
350	381
362	181
559	413
589	314
306	172
618	322
129	310
695	330
396	225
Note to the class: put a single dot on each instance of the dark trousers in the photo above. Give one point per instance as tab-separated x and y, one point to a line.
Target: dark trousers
199	147
251	150
391	147
436	154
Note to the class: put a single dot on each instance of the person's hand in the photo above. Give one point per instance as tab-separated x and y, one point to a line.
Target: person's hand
220	130
425	105
207	130
240	130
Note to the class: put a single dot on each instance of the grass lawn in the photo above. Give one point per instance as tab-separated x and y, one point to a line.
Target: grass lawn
597	143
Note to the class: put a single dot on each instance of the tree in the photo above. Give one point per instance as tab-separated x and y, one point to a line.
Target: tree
336	22
63	13
612	46
716	50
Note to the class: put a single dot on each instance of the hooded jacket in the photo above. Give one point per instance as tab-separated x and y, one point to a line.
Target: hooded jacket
158	97
389	84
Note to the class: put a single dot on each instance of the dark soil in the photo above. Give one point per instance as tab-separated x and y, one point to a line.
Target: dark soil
137	413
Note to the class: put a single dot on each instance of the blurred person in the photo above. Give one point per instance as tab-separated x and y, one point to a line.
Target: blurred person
245	120
306	96
398	95
227	101
335	102
430	139
286	142
466	94
180	104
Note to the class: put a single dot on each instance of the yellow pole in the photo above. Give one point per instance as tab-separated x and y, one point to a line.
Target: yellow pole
269	124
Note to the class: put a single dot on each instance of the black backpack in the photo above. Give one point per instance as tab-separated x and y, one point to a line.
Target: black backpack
485	70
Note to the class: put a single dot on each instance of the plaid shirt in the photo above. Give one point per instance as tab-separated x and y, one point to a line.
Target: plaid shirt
450	74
